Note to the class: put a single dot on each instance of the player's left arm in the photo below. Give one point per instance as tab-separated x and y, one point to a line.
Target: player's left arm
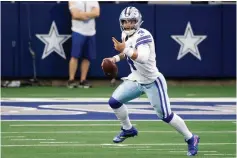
141	54
142	49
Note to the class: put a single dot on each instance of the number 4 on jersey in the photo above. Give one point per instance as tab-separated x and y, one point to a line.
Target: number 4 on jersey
141	33
130	62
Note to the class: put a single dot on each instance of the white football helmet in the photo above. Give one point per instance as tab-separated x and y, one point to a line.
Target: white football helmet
130	14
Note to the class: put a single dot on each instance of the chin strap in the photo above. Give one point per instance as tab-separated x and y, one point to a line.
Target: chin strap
131	34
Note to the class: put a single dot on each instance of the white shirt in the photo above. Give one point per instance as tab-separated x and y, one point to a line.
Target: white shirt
86	28
147	72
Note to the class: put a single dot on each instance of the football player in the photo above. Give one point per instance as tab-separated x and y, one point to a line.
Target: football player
138	48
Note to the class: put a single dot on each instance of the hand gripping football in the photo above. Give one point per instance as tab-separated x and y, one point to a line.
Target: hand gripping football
110	69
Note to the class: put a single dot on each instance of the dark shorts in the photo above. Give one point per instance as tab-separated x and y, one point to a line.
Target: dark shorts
83	46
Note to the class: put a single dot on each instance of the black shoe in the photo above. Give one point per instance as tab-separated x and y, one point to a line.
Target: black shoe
84	84
71	84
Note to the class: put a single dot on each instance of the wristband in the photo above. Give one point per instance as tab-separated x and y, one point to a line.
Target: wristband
117	58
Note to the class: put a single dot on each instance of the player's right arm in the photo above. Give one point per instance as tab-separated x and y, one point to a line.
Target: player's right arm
115	58
75	13
118	57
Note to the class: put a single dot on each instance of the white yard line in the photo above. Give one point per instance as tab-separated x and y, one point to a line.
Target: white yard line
159	149
166	144
177	151
196	120
221	154
127	147
13	136
115	145
100	145
105	132
55	125
225	99
60	142
29	139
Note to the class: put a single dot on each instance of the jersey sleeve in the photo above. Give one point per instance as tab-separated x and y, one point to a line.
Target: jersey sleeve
143	38
143	52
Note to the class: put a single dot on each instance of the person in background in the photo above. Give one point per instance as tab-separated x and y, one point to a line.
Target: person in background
83	39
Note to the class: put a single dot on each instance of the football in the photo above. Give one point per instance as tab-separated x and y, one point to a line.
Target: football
110	69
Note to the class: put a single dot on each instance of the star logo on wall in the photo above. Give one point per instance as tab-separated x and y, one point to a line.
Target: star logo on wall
189	42
53	42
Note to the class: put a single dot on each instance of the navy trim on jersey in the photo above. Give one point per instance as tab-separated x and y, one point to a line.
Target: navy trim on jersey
144	37
143	42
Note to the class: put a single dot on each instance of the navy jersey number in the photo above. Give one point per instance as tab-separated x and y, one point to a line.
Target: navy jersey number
141	33
131	63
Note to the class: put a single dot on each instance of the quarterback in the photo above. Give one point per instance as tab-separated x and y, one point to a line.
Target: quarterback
138	48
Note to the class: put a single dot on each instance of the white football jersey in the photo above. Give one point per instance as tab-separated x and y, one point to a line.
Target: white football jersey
147	72
86	28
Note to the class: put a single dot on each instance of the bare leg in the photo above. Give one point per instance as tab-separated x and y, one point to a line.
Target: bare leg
72	68
84	69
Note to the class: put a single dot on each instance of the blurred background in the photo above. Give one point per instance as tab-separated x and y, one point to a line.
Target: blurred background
213	22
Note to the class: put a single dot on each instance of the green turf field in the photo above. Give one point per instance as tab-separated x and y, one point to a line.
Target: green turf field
77	139
106	91
93	139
